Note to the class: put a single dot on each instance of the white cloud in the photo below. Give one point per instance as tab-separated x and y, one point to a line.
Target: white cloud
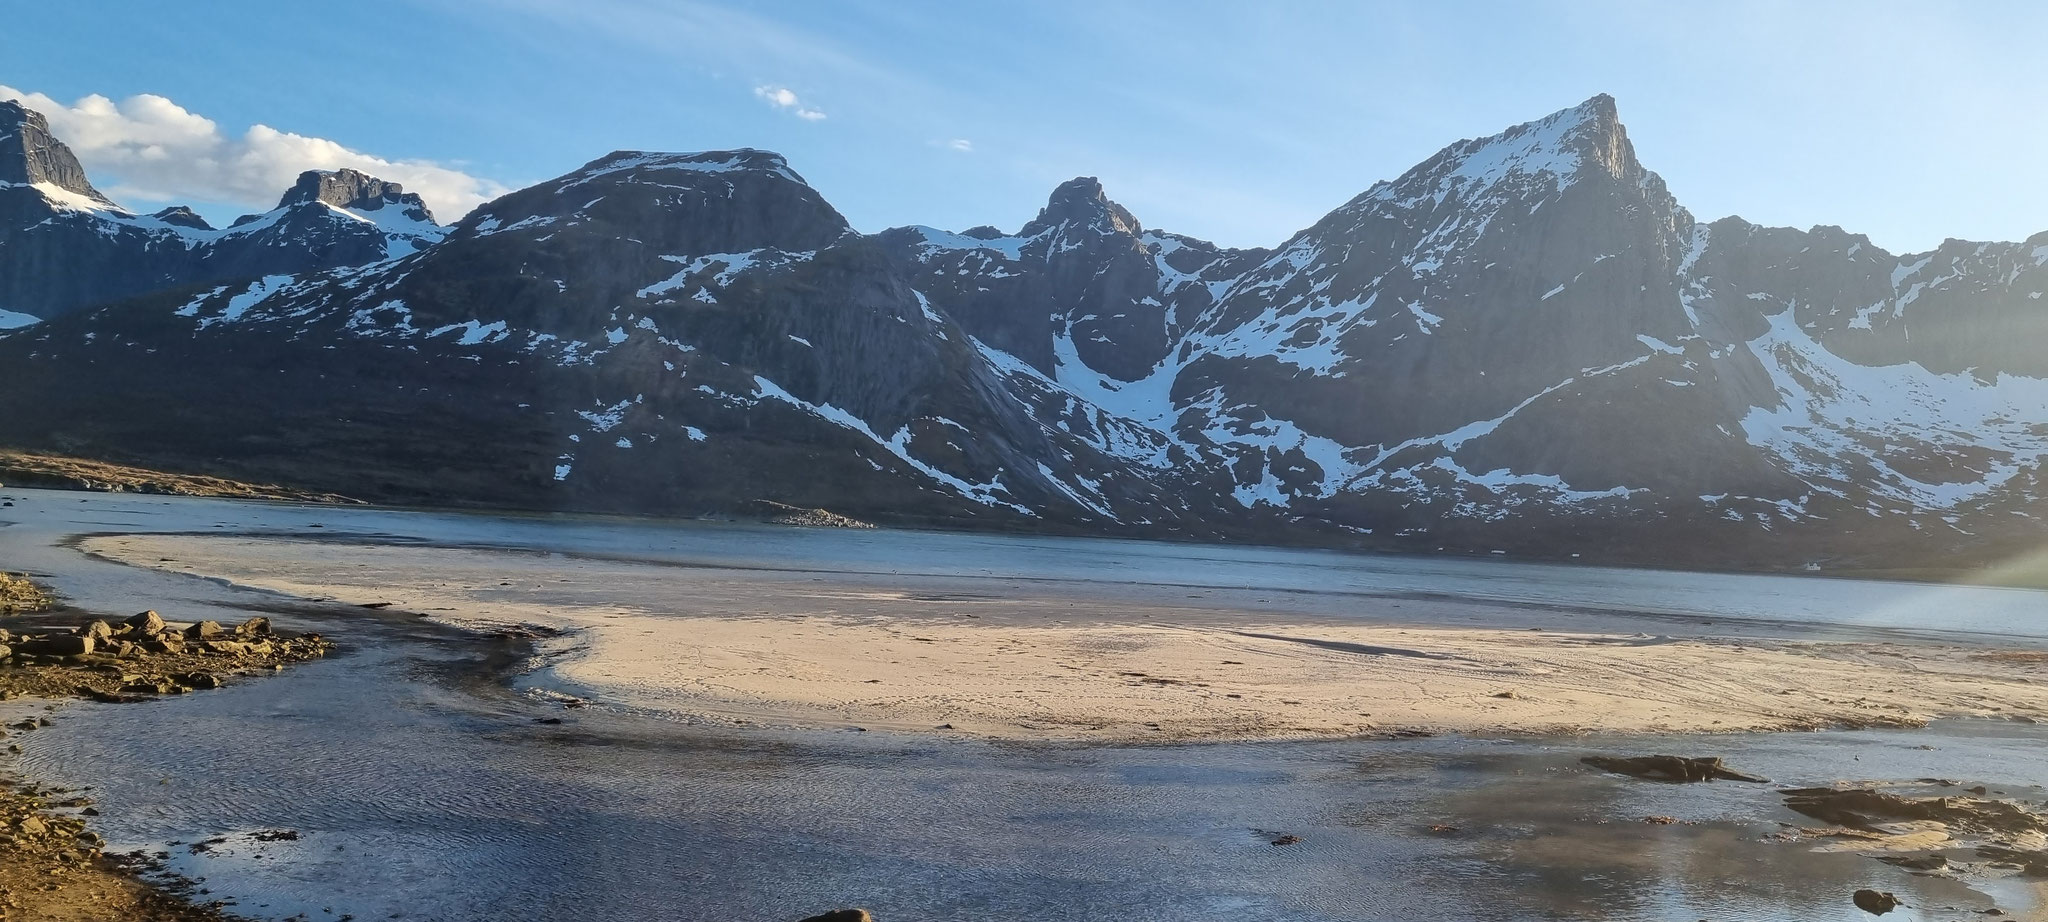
782	97
962	145
151	149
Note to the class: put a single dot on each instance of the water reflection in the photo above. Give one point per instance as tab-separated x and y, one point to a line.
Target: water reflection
417	800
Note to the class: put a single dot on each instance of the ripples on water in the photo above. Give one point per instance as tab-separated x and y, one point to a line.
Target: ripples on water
416	801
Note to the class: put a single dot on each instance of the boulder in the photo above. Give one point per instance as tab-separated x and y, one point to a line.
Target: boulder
59	645
258	626
203	629
200	680
165	643
99	631
1875	902
6	651
147	624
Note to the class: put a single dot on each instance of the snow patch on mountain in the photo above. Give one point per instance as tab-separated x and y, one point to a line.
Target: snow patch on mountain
1893	429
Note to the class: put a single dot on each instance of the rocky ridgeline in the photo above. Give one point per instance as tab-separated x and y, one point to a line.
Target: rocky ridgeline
144	657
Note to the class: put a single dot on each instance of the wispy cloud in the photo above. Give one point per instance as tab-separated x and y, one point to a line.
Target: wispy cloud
961	144
782	97
151	149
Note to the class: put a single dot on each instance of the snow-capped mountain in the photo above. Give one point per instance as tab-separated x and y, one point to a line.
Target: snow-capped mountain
64	245
1523	343
651	331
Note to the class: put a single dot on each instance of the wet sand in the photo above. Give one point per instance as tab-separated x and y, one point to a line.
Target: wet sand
1053	660
425	774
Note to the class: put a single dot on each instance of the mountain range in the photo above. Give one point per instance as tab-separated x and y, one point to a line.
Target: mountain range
1522	345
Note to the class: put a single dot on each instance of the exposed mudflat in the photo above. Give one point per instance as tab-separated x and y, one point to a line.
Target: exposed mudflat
1039	659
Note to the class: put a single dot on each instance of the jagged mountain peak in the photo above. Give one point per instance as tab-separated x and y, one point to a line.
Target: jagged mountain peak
30	154
1557	149
1082	201
352	189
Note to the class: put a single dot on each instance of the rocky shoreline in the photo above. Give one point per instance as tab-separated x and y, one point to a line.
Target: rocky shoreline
1931	827
51	865
145	657
57	472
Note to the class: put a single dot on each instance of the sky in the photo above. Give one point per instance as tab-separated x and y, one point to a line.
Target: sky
1235	122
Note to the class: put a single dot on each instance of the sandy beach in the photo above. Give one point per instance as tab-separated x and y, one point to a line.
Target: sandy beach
1047	661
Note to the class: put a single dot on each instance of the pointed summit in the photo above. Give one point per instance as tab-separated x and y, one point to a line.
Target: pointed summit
29	154
1544	156
1597	129
1082	201
182	216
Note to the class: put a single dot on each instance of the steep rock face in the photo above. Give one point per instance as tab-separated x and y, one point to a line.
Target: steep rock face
30	155
64	246
1491	273
353	189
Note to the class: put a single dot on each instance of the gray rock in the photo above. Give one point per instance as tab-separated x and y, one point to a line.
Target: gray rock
30	154
147	623
347	188
1875	902
58	645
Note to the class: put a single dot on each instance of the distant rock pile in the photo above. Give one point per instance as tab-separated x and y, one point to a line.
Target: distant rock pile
775	513
19	595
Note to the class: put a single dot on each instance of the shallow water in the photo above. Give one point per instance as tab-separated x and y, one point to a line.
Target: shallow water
420	791
27	530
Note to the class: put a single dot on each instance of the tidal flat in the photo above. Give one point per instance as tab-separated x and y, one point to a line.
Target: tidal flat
474	763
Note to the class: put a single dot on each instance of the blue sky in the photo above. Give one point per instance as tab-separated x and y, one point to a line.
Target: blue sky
1241	123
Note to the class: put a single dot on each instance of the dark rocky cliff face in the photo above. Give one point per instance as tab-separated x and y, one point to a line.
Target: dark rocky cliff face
347	188
1523	343
29	154
64	246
